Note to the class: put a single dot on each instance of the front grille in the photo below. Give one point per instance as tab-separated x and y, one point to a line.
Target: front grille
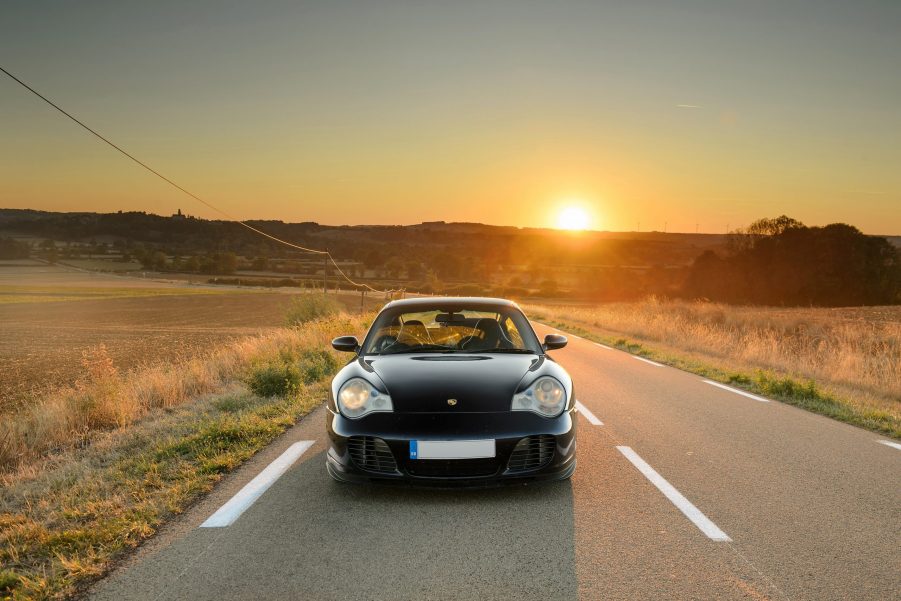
452	468
371	454
531	453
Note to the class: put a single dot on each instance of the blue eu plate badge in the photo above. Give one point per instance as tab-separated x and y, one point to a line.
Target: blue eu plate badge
414	449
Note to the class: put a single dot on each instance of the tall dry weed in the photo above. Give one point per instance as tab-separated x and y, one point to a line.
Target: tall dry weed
852	348
105	398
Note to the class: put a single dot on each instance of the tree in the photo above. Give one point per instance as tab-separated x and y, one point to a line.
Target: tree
433	284
393	267
13	249
155	260
226	262
835	265
748	237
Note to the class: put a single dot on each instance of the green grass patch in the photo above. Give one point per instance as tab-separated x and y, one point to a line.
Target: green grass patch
805	394
284	374
61	533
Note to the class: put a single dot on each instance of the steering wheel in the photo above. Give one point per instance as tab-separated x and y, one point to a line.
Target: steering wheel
466	342
384	342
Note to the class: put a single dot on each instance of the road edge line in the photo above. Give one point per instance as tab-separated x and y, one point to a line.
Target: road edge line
889	443
737	391
253	490
654	363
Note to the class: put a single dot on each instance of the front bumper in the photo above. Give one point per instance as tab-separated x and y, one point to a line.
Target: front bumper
396	430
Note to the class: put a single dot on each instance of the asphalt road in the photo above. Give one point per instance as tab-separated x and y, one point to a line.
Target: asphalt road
801	507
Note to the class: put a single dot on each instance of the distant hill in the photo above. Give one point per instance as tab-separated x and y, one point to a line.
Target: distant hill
832	265
433	242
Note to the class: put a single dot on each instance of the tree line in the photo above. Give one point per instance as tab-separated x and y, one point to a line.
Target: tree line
783	262
773	261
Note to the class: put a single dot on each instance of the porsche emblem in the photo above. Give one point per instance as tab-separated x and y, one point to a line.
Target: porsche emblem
451	402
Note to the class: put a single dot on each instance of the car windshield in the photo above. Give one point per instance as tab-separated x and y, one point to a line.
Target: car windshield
454	330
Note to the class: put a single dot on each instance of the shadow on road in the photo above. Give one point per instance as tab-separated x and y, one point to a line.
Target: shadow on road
309	537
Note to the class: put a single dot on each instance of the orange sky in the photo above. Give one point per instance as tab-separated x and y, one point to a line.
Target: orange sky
689	114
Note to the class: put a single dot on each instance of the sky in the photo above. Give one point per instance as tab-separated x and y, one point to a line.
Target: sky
678	115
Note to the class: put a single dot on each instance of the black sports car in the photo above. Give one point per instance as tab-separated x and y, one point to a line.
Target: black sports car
451	391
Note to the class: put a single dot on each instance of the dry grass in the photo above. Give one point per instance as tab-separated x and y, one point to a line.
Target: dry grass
93	472
853	355
103	398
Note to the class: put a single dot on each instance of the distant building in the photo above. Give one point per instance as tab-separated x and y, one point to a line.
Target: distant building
178	215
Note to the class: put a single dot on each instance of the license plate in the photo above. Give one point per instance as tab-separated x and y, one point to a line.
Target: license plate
452	449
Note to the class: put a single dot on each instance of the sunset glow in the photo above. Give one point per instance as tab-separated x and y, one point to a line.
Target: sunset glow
573	218
378	133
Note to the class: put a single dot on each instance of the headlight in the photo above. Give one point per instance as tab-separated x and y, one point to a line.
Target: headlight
546	396
357	397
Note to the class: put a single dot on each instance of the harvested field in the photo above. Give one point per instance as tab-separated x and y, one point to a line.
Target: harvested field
51	316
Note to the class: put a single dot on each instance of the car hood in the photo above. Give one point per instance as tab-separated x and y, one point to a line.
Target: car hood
425	383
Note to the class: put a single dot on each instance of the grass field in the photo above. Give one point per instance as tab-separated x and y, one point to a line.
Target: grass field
51	316
93	470
843	362
123	399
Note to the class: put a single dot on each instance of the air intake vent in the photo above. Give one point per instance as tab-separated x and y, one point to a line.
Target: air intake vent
371	454
453	468
531	453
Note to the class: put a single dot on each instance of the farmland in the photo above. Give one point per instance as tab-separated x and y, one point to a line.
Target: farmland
50	316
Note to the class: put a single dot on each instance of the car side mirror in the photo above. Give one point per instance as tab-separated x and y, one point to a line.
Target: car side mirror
553	341
347	344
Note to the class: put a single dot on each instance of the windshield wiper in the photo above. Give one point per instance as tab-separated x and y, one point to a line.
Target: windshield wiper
420	349
512	351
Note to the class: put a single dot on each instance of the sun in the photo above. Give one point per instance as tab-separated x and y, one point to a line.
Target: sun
573	218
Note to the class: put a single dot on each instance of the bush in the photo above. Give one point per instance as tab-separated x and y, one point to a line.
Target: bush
274	378
308	308
283	375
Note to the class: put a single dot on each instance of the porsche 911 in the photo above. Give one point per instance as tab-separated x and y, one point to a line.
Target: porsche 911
451	391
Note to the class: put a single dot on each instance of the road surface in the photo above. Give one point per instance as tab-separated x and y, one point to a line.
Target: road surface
684	490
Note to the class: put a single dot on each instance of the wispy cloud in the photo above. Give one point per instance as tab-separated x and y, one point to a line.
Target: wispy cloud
689	106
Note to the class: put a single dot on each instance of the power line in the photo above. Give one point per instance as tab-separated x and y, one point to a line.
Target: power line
186	191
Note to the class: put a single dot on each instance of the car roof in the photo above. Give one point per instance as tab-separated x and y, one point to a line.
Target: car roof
450	302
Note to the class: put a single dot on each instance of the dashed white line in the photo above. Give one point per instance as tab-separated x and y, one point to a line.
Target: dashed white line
647	361
736	391
238	504
588	415
684	505
889	443
604	346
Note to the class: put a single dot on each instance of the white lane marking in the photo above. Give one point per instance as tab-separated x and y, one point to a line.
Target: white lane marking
588	414
609	348
238	504
574	336
737	391
889	443
647	361
684	505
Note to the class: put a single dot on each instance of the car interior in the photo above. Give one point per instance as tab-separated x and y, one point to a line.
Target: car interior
465	331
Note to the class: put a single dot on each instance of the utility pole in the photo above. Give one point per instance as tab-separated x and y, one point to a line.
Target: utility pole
325	274
362	300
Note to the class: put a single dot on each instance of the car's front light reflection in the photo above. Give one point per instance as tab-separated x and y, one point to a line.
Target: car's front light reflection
357	397
546	396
